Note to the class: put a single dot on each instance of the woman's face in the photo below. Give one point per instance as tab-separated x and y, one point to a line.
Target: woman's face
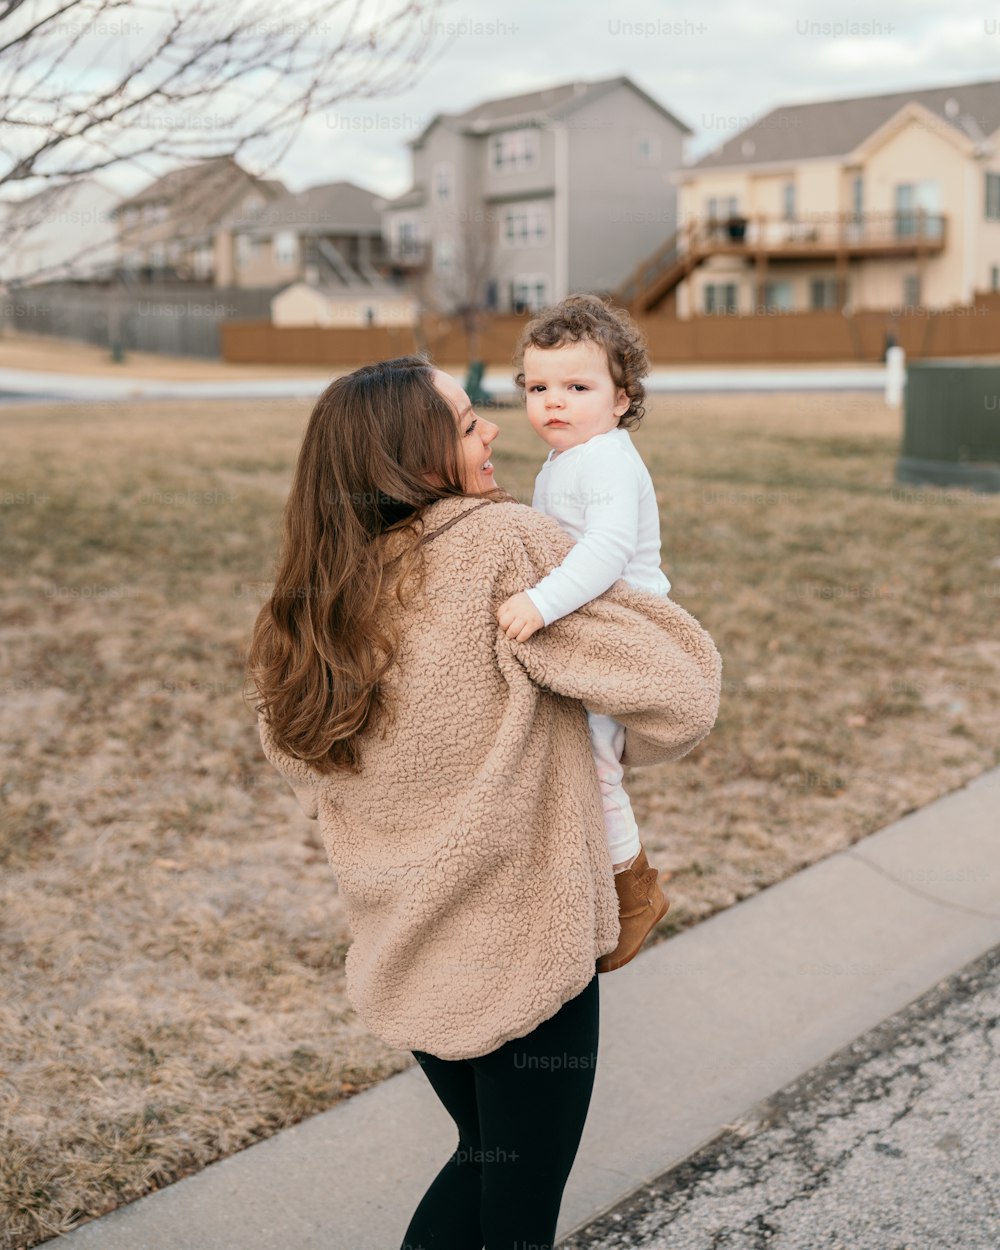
475	434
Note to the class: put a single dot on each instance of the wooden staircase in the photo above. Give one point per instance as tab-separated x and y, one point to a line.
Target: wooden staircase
659	274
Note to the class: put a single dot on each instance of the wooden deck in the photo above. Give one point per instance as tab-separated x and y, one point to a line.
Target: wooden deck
763	241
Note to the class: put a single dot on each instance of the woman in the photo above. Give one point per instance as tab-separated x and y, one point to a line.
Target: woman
451	772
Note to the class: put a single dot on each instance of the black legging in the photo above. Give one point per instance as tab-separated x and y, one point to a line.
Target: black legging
520	1112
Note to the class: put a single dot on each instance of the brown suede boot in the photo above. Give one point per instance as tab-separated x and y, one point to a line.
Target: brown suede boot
641	904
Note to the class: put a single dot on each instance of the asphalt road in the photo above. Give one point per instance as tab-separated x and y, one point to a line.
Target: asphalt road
892	1144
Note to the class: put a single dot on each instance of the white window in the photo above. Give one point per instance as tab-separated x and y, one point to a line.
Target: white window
529	292
646	149
444	255
514	150
407	238
918	207
778	296
720	297
252	205
130	217
788	201
911	290
822	293
526	225
721	208
286	249
857	195
993	197
441	181
157	256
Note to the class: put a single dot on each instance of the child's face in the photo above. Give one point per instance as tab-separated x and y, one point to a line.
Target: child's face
570	394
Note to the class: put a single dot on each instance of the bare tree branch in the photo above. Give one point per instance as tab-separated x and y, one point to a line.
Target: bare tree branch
69	109
88	85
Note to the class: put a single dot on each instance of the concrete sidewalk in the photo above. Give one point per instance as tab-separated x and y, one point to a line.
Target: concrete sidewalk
732	1011
23	384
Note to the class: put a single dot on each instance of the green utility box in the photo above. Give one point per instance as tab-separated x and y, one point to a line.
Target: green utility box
474	384
951	425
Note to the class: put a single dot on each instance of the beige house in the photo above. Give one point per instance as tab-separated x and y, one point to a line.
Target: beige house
522	199
171	228
303	304
873	202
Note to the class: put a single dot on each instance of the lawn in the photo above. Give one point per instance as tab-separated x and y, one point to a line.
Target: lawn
173	939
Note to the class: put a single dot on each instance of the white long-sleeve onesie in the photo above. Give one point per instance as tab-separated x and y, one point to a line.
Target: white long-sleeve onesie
602	495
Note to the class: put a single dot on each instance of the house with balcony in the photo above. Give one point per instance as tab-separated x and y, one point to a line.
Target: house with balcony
873	202
171	229
328	235
322	250
521	200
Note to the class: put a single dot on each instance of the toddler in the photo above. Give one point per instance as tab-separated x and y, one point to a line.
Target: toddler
581	368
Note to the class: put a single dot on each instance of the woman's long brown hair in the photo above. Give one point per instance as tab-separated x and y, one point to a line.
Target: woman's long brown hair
321	645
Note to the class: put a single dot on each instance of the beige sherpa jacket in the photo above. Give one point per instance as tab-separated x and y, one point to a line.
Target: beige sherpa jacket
470	850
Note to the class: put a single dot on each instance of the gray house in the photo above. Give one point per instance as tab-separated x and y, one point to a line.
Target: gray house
519	201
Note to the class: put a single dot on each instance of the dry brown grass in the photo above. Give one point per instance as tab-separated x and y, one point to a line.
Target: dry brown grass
37	352
173	938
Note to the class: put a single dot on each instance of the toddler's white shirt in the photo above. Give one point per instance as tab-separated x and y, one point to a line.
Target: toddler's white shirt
602	495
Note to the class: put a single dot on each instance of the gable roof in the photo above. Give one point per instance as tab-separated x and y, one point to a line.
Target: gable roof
828	128
551	103
202	193
341	206
413	198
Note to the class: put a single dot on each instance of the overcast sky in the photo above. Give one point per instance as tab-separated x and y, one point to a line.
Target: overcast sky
716	65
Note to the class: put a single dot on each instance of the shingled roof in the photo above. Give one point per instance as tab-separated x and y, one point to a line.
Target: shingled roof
202	193
827	128
551	103
343	206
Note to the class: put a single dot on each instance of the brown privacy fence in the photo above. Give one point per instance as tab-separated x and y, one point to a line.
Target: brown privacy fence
723	338
259	342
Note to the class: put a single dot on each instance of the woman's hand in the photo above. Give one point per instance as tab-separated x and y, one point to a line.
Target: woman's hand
519	618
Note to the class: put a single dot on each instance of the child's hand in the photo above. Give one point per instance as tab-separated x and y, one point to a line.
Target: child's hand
519	618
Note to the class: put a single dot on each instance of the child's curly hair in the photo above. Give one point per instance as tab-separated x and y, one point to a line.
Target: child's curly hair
585	317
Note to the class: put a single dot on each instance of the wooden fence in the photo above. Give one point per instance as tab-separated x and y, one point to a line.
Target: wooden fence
765	338
259	342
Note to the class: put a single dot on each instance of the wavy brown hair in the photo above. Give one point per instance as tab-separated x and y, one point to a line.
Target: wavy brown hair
320	646
589	318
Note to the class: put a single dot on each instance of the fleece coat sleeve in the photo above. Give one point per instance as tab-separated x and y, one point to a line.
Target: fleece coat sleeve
303	780
630	654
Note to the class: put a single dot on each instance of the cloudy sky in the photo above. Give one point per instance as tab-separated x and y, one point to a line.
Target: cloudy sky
715	65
